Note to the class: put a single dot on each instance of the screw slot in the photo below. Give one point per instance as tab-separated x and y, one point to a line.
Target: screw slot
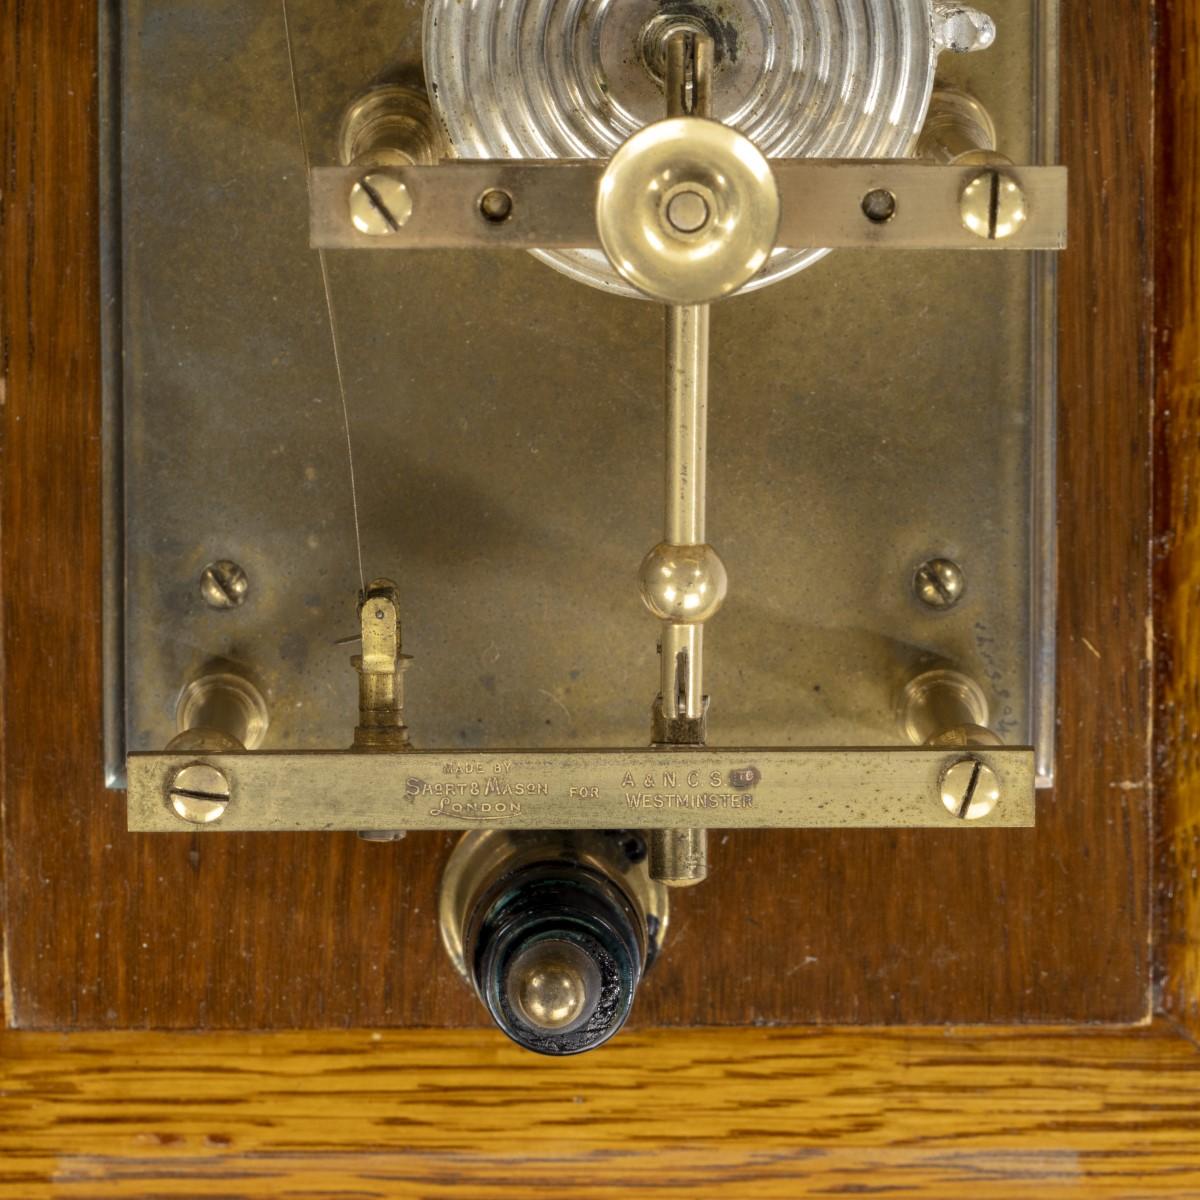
495	206
939	583
993	205
379	204
969	789
879	206
199	793
223	585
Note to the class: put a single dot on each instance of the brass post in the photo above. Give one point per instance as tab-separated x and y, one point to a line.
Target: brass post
381	668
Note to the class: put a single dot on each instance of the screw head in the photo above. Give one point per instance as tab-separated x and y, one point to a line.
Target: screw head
379	204
962	29
879	206
199	793
993	205
495	206
224	585
939	583
969	789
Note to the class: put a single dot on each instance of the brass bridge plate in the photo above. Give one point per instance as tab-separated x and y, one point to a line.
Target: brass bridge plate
554	206
600	789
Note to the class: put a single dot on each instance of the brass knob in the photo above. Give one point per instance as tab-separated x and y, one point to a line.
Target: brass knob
688	210
554	986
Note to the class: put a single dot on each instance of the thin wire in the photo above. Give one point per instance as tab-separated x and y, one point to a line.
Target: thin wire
333	330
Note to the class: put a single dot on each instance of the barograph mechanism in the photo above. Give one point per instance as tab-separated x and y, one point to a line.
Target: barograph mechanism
871	438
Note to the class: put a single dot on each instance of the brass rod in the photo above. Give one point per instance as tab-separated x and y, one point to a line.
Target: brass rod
680	858
689	93
686	424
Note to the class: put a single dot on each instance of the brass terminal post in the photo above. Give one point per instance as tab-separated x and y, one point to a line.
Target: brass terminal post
381	668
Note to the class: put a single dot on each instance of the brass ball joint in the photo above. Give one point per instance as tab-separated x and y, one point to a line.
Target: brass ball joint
685	584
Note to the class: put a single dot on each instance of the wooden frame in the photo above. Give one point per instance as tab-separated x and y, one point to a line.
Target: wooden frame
1177	519
1080	1113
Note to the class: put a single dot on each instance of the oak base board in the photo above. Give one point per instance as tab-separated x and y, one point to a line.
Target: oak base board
945	1113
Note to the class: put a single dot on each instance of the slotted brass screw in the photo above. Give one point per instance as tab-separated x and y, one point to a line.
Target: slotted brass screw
379	204
970	789
939	583
224	585
199	793
993	205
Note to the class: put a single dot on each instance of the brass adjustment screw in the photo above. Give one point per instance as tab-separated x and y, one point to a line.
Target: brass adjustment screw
379	204
223	585
993	205
939	583
969	789
199	793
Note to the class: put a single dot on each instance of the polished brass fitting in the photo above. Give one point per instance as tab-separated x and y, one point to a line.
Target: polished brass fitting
381	668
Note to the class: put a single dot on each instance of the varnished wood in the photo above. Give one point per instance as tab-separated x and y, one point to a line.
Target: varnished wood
1177	305
104	929
760	1113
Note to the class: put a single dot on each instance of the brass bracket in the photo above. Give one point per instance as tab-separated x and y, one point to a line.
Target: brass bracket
591	789
380	668
551	205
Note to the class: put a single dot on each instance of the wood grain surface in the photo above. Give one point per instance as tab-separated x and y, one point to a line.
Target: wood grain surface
104	929
780	1113
1177	463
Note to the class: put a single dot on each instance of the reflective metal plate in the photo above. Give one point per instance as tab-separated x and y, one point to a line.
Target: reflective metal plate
873	412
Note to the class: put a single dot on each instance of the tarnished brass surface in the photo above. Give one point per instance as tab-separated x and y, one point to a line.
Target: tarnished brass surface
507	427
597	789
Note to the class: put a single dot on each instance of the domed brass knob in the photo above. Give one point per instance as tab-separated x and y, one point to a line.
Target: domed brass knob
688	210
554	986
